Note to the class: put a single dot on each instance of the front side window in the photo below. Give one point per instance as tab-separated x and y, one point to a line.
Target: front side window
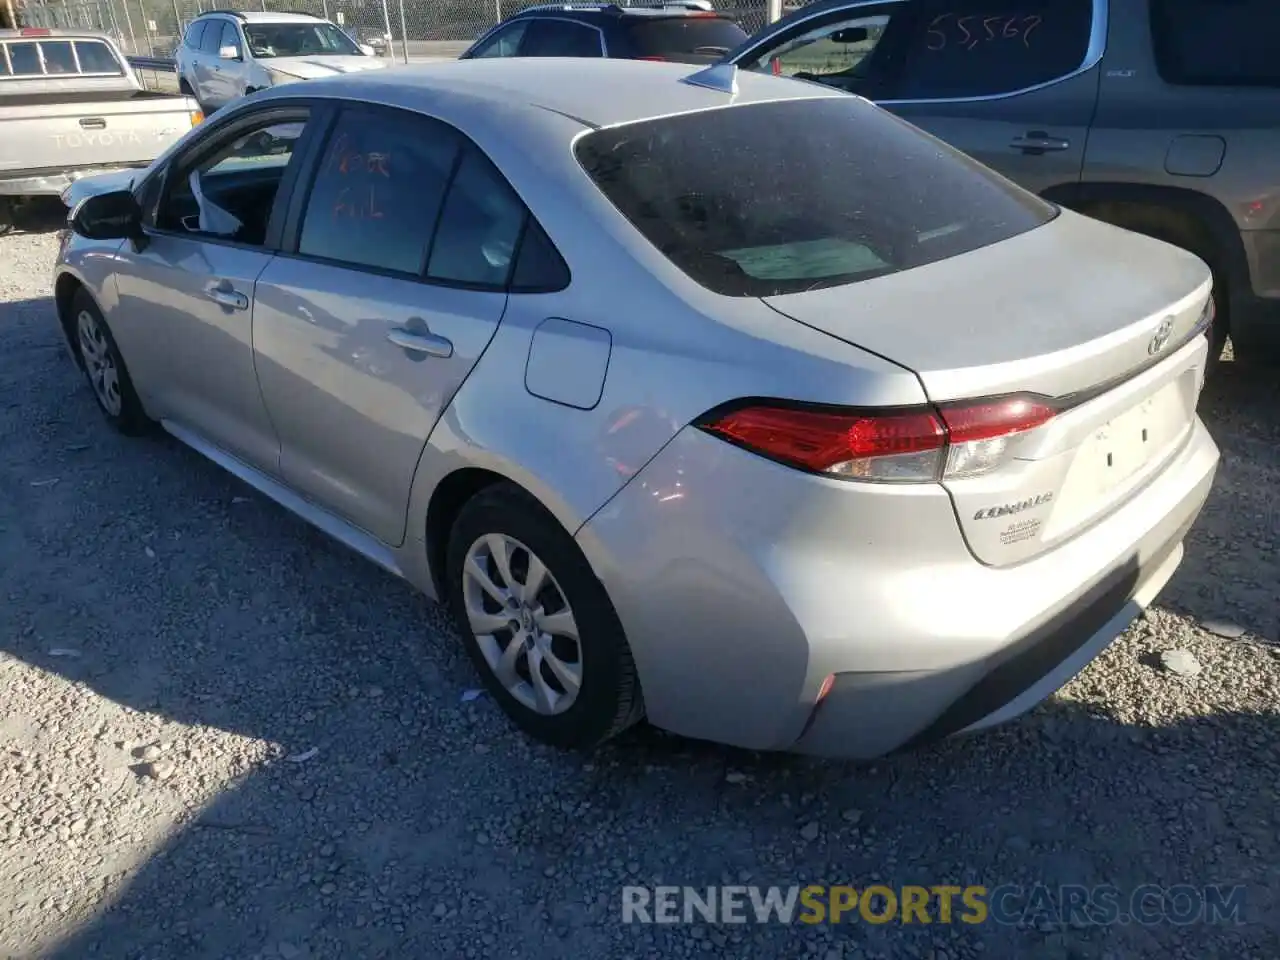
378	191
1217	42
212	37
859	51
504	43
268	40
836	192
560	38
976	48
96	57
229	194
230	38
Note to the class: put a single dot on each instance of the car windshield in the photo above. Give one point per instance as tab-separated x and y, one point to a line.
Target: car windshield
771	198
267	40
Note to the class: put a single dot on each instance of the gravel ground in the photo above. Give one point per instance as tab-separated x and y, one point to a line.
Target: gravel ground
223	736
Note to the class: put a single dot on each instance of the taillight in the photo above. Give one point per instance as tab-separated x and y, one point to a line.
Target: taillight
197	118
896	446
979	434
776	66
35	32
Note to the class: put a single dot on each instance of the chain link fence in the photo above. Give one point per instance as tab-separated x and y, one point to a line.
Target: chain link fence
408	30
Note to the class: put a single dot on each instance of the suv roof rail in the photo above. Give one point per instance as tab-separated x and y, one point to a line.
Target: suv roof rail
239	15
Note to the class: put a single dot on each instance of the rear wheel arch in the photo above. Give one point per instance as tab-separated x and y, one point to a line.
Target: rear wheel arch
447	500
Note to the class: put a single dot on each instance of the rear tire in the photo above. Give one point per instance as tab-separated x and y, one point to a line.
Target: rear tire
104	367
568	692
8	215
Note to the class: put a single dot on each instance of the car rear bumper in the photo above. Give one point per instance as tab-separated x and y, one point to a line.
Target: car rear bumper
746	588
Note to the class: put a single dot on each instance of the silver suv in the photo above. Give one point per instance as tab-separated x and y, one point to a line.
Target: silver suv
227	54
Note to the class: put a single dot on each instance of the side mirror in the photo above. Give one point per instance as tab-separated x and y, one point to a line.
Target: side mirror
228	53
850	35
108	216
367	50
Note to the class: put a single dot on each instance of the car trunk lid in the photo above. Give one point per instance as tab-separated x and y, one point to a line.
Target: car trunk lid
1098	322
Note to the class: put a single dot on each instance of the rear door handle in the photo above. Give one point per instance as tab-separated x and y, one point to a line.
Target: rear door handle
423	342
93	123
1037	142
225	296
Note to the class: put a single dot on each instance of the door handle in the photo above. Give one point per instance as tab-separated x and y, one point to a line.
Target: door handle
226	297
1037	142
425	342
93	123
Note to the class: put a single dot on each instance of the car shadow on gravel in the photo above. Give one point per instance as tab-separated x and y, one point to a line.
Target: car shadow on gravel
374	809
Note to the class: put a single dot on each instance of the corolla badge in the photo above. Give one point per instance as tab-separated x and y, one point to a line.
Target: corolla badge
1161	337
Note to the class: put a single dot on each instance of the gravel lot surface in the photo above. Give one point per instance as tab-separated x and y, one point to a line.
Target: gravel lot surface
224	736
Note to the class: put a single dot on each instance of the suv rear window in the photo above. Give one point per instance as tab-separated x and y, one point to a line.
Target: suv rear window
772	198
704	36
1217	42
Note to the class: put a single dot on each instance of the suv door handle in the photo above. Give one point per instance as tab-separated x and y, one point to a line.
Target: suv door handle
223	295
1036	142
425	342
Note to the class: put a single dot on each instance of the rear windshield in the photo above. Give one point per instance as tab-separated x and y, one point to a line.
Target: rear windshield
24	58
771	198
683	36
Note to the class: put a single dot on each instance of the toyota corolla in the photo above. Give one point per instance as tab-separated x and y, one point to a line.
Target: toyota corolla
716	398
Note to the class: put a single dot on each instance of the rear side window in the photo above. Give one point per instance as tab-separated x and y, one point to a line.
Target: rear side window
684	36
974	48
837	192
24	59
96	57
1217	42
378	192
194	33
479	228
560	38
539	266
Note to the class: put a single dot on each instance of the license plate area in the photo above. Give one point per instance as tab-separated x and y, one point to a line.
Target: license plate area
1122	446
1118	455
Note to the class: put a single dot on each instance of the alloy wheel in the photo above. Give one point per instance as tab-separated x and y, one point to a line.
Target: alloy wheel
99	362
523	623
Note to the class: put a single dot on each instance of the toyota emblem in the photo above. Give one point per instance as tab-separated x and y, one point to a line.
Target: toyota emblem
1162	334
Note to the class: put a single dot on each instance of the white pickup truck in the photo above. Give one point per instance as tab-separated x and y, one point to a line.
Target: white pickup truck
71	107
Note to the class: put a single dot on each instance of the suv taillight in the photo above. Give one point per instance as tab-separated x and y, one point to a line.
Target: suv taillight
893	446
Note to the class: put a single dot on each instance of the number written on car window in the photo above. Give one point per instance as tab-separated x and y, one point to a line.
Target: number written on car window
359	197
971	31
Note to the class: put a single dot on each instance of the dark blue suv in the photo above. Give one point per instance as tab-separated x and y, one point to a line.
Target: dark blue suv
682	31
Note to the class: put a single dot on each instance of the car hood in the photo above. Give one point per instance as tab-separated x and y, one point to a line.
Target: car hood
99	183
313	68
1057	310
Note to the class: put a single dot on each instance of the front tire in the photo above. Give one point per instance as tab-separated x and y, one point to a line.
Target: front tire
537	624
105	368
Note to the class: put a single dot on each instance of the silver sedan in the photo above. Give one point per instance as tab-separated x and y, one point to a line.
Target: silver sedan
726	400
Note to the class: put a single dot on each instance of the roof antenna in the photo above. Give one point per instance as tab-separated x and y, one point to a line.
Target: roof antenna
721	77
